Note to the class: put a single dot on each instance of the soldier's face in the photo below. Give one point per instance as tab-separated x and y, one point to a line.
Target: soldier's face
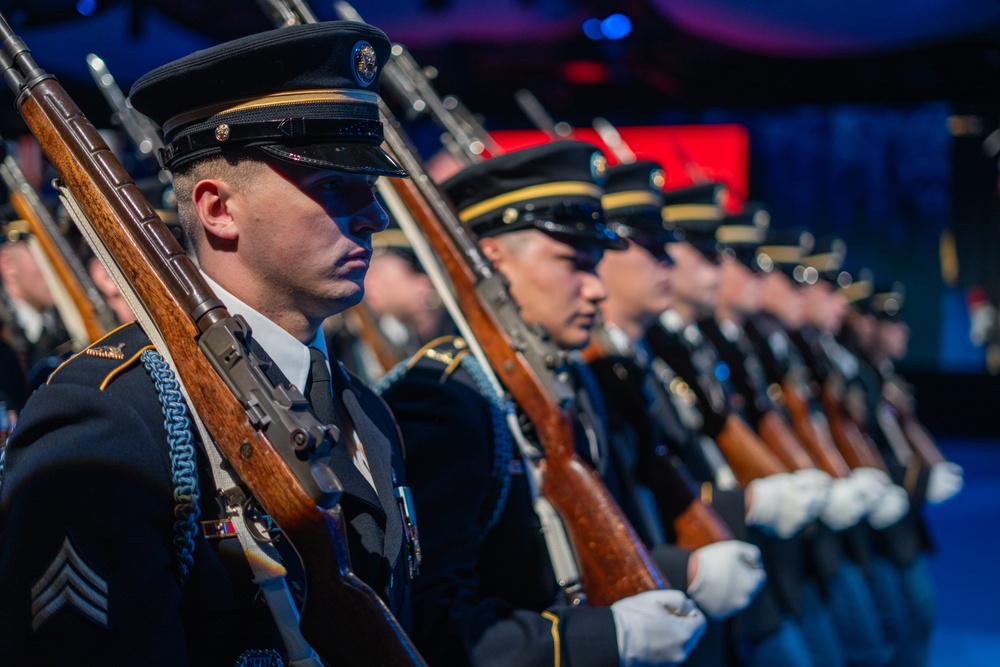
824	306
305	237
638	283
695	278
22	277
780	298
555	284
739	288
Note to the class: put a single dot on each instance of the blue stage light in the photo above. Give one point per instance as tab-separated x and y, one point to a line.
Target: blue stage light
592	29
616	26
86	7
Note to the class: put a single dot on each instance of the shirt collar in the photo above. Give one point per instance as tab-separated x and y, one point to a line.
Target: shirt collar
291	356
30	320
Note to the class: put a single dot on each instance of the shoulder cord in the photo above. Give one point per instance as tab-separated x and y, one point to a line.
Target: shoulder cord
263	558
503	446
182	458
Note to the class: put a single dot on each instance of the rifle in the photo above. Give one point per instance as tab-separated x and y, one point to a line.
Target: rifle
267	433
782	442
745	452
81	305
854	445
813	431
612	560
898	396
694	522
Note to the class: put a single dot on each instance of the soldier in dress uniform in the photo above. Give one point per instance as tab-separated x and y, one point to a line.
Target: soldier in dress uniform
791	260
488	593
876	334
634	386
115	538
31	324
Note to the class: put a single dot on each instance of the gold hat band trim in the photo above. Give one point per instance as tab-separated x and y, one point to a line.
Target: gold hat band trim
560	189
675	212
313	96
857	290
630	198
824	261
390	238
781	254
739	234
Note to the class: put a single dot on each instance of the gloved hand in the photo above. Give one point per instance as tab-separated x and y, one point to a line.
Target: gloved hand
872	483
946	480
656	628
729	575
891	508
782	504
846	505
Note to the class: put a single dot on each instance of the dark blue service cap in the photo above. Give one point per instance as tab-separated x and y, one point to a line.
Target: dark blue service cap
856	287
741	233
887	300
13	230
306	94
783	250
556	187
694	213
825	261
633	201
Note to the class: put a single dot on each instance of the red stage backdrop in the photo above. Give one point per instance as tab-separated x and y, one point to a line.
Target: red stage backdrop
688	153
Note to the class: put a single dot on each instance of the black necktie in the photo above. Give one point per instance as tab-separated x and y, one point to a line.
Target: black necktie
318	388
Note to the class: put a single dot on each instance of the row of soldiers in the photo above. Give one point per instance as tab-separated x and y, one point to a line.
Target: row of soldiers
711	395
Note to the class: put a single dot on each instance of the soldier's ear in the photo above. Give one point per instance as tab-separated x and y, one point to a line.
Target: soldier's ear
214	203
492	249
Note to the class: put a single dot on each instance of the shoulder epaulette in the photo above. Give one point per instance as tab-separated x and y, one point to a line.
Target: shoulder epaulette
105	359
446	350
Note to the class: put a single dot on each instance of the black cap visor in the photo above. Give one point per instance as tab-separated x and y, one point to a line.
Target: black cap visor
354	157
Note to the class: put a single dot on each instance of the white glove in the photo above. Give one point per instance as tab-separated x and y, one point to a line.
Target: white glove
891	508
850	500
656	628
945	481
729	575
782	504
872	483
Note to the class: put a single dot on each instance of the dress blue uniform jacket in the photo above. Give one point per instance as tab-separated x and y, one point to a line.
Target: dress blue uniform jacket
483	597
87	515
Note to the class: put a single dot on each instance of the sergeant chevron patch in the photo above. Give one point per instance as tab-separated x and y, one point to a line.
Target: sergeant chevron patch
69	581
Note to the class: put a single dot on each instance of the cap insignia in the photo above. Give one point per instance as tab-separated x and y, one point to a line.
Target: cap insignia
222	132
365	63
657	179
510	215
598	167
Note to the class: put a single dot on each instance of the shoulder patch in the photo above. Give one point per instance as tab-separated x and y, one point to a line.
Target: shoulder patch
446	350
105	359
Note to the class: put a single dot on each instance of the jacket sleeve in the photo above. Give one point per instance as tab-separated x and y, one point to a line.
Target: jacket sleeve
448	431
86	518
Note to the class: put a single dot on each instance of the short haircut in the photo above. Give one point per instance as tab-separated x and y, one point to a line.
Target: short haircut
237	168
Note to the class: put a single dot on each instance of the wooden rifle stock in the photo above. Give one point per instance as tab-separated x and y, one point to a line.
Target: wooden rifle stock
746	454
782	442
916	433
342	619
815	439
858	451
